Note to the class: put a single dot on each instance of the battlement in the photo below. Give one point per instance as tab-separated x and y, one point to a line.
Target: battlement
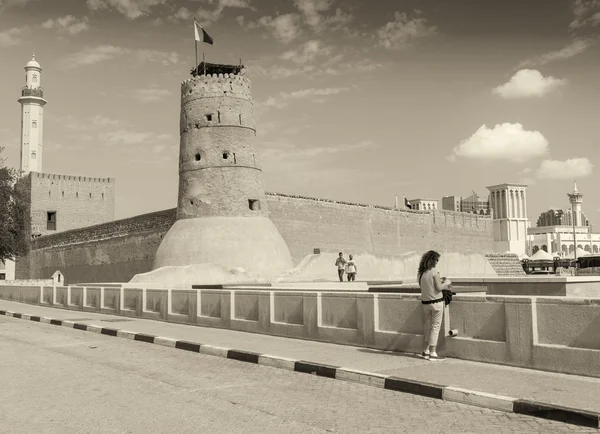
217	85
40	175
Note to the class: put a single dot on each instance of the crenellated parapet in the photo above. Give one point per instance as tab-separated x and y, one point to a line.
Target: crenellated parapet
216	85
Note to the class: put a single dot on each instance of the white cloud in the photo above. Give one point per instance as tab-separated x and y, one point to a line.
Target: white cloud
13	36
132	9
317	95
208	16
68	24
5	4
585	12
506	141
573	168
528	83
151	94
307	52
398	33
313	12
284	28
574	48
101	53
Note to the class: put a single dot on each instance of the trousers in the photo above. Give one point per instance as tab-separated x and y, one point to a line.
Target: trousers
433	314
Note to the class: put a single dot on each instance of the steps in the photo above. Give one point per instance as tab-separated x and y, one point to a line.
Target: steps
505	264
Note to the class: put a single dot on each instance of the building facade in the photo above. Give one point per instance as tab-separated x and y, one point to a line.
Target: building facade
567	229
509	205
473	204
423	204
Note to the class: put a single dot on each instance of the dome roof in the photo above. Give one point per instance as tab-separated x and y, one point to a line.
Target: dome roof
33	63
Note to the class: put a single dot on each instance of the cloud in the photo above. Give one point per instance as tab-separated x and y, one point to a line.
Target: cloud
585	13
573	168
307	52
128	137
101	53
528	83
398	33
208	16
313	12
67	24
151	94
282	100
576	47
132	9
5	4
284	28
13	36
503	142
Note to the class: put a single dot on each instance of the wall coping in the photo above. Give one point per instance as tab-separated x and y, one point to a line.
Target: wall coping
526	279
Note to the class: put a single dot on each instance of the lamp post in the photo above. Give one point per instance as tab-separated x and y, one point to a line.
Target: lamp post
574	235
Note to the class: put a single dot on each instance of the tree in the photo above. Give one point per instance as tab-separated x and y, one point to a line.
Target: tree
13	214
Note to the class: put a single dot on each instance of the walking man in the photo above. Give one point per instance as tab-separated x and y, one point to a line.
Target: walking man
351	269
340	263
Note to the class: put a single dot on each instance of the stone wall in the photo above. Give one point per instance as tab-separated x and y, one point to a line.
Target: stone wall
78	201
116	251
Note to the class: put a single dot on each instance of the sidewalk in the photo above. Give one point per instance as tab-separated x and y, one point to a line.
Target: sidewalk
562	390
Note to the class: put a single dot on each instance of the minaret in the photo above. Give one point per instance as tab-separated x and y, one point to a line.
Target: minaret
32	120
576	200
222	213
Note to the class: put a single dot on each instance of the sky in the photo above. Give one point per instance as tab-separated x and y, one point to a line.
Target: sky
355	100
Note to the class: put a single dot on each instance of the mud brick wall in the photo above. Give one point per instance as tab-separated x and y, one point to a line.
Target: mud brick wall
116	251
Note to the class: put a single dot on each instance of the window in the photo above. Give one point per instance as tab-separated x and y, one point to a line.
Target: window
225	155
35	78
240	119
34	124
198	156
209	118
90	195
254	204
33	156
51	221
2	276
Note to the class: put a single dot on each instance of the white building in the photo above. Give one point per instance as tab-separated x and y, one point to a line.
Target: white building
560	240
32	118
423	204
509	205
7	270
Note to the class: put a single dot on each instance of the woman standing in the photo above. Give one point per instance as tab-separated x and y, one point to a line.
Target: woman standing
431	285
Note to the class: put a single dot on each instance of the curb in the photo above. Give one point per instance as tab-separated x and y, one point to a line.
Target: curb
415	387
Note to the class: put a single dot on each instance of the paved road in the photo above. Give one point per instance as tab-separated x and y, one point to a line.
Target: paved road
60	380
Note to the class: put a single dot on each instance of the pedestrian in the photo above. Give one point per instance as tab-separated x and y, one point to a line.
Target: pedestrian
340	263
431	285
351	269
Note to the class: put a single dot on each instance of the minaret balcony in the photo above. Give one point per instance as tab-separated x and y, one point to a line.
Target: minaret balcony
32	91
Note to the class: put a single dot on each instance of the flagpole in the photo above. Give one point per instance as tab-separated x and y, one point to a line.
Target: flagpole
204	63
195	47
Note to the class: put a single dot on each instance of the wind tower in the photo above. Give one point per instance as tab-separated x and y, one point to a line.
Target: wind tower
576	199
222	214
32	120
509	202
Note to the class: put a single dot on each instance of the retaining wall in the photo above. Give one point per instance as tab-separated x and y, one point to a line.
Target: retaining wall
553	334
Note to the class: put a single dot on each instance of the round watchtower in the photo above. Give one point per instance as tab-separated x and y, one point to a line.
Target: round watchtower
222	214
219	170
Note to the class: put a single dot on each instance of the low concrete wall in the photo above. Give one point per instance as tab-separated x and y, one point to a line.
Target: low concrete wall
545	286
553	334
27	282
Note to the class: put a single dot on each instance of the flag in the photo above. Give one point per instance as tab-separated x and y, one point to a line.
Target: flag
407	203
198	30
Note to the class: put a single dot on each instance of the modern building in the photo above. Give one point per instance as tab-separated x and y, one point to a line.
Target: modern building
562	235
423	204
7	270
509	205
473	204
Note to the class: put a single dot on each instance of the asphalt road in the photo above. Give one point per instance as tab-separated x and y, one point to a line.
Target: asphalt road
60	380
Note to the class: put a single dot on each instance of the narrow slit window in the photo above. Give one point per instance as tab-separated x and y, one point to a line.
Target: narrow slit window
209	118
51	221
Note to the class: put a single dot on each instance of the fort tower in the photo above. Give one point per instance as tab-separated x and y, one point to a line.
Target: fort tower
32	121
222	214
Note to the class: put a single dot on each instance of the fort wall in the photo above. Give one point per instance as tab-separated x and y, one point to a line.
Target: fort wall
116	251
75	201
